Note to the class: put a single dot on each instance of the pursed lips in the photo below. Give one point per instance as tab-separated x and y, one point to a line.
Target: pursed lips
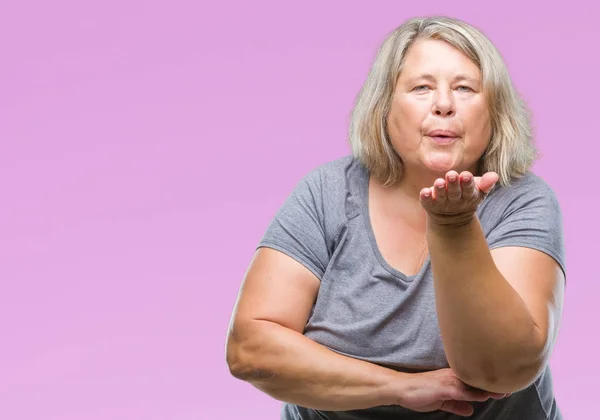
442	136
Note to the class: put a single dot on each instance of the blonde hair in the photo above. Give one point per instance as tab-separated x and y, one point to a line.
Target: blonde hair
511	151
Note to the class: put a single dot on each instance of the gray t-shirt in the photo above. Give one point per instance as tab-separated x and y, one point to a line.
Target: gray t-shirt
368	310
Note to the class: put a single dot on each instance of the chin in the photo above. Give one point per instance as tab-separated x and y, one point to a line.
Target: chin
441	164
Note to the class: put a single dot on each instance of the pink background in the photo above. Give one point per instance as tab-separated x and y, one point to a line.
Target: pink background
144	147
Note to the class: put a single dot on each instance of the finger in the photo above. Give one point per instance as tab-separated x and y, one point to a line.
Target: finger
497	396
488	394
426	196
487	181
463	392
461	408
440	189
467	184
453	187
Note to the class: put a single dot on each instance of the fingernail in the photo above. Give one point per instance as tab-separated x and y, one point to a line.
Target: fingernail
452	178
466	178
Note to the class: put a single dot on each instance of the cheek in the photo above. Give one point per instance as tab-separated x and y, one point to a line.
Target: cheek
479	123
410	114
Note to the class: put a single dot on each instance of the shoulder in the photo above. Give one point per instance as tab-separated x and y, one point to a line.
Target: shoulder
307	222
528	184
334	190
525	213
333	181
527	191
332	172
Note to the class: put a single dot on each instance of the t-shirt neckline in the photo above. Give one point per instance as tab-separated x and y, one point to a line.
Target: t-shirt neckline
364	207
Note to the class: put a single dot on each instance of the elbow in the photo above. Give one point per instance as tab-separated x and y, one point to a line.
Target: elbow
238	362
502	378
238	368
246	369
242	359
507	370
507	383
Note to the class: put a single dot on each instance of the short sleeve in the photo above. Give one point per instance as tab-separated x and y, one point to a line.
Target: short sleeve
532	219
297	228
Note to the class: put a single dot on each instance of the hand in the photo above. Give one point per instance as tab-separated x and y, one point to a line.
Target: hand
442	390
454	199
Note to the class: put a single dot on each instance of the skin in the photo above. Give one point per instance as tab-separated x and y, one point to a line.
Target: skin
266	348
439	88
499	310
519	289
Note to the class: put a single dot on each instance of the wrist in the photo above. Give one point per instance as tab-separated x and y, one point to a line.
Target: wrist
398	388
407	385
450	224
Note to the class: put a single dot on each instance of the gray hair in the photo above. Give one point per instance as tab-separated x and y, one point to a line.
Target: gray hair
511	151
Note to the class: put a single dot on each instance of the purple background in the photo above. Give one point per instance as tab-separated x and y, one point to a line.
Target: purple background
144	147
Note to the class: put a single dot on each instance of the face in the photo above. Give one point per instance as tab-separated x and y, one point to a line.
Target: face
439	118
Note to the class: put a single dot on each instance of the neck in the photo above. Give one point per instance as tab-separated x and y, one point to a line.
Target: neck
401	200
415	179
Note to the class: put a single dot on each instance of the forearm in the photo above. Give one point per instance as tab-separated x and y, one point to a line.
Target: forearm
290	367
489	335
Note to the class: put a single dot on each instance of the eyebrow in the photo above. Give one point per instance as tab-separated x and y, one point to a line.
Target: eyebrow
428	76
462	77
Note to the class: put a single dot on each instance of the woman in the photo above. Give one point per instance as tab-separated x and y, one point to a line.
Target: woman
424	274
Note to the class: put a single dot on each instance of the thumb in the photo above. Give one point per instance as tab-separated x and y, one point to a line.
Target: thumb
460	408
486	182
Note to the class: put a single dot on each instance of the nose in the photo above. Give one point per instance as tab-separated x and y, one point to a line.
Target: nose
443	104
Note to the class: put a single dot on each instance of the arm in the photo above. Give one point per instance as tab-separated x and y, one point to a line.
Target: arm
499	310
266	347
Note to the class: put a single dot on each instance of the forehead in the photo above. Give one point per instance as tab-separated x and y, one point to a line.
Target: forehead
438	57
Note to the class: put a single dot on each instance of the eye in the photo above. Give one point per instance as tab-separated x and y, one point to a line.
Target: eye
465	88
421	88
